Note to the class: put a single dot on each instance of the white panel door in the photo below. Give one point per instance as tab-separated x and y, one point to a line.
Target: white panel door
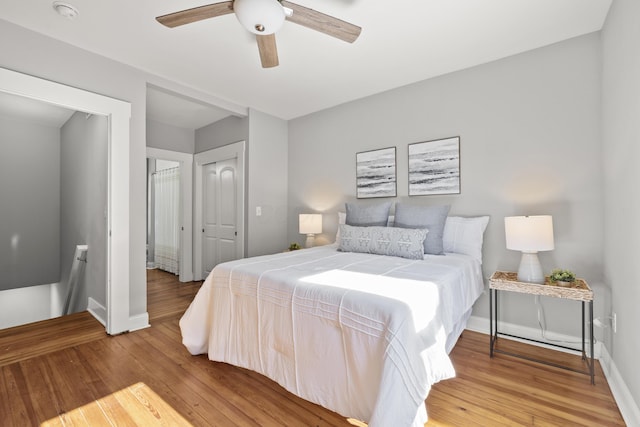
219	228
209	218
227	209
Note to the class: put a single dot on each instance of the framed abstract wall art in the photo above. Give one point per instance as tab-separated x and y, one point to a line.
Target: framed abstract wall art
434	167
376	173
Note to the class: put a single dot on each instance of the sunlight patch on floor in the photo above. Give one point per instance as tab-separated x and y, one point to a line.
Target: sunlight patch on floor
134	405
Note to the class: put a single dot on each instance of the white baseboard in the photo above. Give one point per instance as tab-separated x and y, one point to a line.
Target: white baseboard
186	276
140	321
626	403
623	397
480	324
98	311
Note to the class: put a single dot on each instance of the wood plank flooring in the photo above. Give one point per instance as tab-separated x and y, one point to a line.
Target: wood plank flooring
67	371
35	339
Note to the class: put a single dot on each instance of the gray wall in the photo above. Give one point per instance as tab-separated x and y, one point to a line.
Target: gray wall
265	174
267	184
32	53
621	151
83	203
167	137
30	207
54	60
529	129
224	132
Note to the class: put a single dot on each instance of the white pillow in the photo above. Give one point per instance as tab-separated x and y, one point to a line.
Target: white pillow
465	235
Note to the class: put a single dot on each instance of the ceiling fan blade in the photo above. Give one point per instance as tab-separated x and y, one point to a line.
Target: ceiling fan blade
268	50
324	23
196	14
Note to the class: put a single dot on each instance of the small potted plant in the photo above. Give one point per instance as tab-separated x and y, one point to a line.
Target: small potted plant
294	247
564	278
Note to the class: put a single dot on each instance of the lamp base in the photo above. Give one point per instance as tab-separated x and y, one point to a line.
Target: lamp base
530	270
310	241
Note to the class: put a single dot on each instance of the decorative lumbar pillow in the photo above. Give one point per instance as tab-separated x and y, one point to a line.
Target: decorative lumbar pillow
465	235
392	241
342	219
367	215
432	218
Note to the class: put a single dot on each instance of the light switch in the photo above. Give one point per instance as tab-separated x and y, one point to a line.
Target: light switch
258	210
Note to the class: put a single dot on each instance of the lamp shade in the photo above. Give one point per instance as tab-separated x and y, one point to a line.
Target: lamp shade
529	233
259	16
310	223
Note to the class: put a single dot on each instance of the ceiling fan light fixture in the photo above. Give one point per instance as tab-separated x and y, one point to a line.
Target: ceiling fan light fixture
259	16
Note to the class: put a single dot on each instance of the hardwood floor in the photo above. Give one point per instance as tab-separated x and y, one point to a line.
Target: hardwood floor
39	338
67	371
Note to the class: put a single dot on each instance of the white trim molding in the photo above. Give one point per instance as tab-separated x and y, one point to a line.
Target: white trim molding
621	393
141	321
97	310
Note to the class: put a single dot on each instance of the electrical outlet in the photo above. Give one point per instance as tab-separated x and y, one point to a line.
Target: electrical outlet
614	322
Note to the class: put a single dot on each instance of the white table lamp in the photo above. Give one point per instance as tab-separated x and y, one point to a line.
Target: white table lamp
529	234
310	224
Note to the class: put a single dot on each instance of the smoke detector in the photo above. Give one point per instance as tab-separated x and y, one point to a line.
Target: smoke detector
65	9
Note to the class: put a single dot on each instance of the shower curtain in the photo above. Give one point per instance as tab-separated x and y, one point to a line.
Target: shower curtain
167	230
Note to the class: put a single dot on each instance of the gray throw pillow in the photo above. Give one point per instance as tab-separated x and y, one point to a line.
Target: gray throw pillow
432	218
392	241
367	215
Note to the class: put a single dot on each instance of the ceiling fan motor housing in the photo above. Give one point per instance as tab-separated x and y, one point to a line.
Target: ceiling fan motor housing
260	16
263	18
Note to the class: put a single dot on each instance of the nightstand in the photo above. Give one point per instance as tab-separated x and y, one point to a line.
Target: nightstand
580	291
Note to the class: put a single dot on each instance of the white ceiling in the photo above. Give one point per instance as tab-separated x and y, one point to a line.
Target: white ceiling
402	41
176	110
25	109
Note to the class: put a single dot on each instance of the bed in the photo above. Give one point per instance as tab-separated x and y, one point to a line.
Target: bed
361	334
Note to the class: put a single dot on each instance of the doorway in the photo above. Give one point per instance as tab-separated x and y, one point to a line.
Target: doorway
184	162
218	207
163	208
112	308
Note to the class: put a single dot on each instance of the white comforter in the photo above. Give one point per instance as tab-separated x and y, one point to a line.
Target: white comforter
363	335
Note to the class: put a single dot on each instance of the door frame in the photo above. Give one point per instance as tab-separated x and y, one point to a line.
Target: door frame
186	206
115	315
236	151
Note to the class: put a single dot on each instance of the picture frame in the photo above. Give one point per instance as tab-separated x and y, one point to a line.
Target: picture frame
376	173
434	167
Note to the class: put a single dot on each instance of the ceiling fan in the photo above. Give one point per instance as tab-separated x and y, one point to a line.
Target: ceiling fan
264	18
